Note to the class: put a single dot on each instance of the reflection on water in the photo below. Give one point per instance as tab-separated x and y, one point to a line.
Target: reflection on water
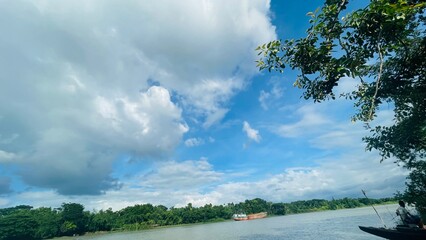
332	225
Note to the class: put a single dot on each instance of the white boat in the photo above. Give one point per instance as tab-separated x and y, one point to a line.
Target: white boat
239	217
242	216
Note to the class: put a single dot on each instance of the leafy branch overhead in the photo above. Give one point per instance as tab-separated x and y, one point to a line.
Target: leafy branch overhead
383	47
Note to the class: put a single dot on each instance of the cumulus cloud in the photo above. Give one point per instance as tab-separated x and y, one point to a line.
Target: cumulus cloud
75	155
252	134
77	79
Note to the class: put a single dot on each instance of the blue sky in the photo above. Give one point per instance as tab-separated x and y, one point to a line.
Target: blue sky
112	104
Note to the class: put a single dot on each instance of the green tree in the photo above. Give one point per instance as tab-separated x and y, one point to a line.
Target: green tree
7	211
68	228
278	209
136	214
104	220
19	225
415	192
48	221
73	218
256	205
383	46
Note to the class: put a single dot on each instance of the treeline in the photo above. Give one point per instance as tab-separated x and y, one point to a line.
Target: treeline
26	222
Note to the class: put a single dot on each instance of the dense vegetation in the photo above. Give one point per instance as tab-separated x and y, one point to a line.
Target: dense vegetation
382	47
25	222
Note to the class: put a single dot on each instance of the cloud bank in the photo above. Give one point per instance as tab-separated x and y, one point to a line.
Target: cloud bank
197	182
85	81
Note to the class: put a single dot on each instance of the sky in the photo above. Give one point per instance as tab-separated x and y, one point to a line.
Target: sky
116	103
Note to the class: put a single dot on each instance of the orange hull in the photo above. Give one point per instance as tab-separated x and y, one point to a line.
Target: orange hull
257	215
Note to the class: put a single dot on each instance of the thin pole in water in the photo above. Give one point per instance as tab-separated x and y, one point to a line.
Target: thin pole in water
381	219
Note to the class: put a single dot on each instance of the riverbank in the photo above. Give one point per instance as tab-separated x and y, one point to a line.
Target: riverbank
26	222
331	225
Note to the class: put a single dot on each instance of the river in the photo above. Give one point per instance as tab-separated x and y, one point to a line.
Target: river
330	225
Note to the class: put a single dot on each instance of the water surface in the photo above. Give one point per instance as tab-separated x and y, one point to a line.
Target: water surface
330	225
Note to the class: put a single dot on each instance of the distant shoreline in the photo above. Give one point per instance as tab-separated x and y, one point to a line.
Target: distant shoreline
88	234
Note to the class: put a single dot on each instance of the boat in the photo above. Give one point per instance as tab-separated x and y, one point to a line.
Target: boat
257	215
400	232
243	217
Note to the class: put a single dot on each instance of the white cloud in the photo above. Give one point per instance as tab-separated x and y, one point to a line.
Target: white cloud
252	134
76	77
6	156
263	97
348	134
338	138
193	142
346	85
311	120
270	97
179	176
215	117
150	124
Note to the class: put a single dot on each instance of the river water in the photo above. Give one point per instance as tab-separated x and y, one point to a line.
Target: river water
330	225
